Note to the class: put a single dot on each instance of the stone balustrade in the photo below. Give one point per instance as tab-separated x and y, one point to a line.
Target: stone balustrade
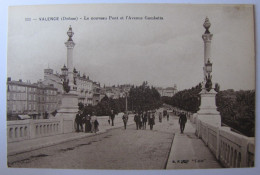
230	148
29	129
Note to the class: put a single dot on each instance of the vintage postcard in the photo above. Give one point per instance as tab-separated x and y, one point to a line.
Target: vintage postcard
131	86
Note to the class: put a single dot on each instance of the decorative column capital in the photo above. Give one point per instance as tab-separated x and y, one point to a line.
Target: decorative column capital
207	37
70	44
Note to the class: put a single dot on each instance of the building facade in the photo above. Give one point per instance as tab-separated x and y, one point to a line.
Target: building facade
116	92
167	92
33	99
87	90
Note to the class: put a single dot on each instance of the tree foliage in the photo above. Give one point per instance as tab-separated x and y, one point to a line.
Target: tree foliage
140	98
188	99
237	110
143	98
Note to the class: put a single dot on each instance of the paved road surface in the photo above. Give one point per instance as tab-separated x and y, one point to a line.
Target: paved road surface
116	149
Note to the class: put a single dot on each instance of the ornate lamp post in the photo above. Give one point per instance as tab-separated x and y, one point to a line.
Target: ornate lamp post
126	101
70	45
208	67
69	102
208	110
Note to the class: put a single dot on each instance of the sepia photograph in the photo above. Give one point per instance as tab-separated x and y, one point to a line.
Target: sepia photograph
131	86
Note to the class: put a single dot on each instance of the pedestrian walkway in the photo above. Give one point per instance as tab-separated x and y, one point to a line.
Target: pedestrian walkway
188	151
33	144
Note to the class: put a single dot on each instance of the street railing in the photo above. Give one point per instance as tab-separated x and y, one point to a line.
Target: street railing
28	129
230	148
19	130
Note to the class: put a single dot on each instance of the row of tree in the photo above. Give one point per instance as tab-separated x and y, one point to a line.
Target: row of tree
188	99
139	98
144	98
237	108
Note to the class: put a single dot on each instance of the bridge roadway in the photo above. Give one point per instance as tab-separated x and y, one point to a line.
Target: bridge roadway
162	148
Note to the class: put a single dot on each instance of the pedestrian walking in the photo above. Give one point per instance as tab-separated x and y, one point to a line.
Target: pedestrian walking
96	124
109	117
151	120
112	117
160	117
92	121
87	123
144	119
137	120
141	121
125	119
182	121
168	117
78	121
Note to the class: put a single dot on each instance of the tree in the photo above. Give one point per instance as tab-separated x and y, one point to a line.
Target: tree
144	97
188	99
237	110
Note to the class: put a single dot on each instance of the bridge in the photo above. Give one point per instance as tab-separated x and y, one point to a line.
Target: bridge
201	146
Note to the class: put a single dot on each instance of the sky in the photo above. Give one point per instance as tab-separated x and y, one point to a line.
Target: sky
162	52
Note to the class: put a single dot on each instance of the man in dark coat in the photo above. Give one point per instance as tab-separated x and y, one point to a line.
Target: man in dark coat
87	124
125	119
112	117
144	119
151	120
78	121
182	121
137	120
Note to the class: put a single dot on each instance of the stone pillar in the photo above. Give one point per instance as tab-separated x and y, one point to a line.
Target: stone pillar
70	45
69	104
67	112
207	37
208	111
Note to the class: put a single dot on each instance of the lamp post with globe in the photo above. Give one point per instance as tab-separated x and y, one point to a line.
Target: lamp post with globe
208	110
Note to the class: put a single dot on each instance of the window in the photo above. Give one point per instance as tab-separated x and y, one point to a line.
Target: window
30	107
19	106
14	107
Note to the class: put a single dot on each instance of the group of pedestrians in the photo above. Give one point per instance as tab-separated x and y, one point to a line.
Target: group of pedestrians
165	114
141	118
91	122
